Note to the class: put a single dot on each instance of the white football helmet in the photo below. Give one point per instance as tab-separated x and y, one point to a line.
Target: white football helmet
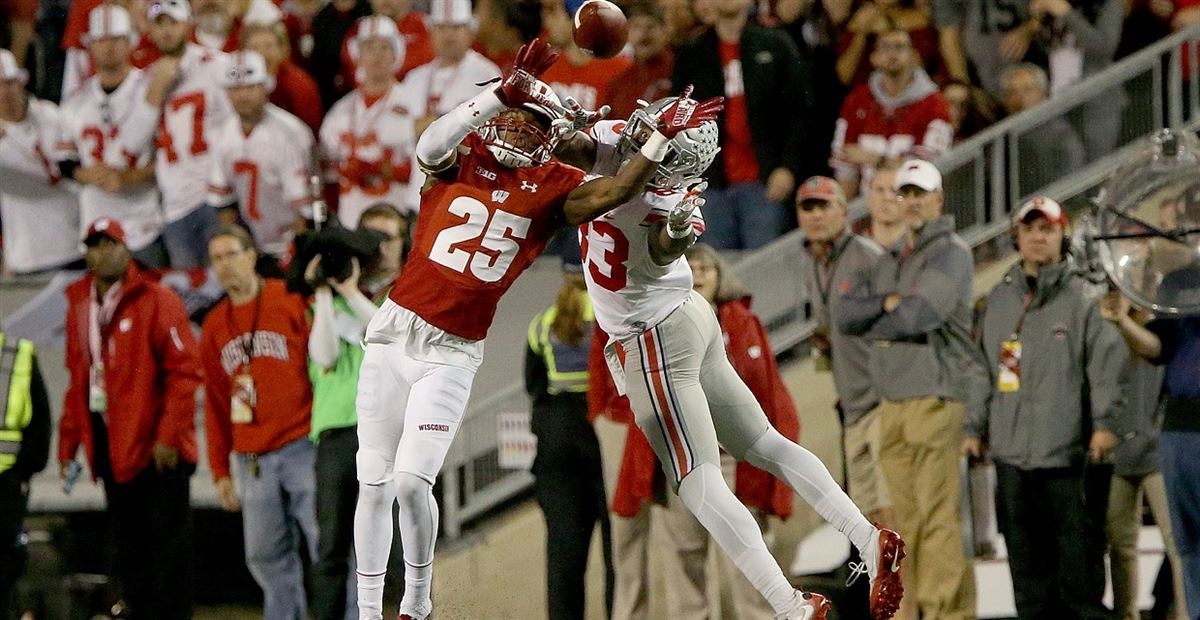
689	153
520	144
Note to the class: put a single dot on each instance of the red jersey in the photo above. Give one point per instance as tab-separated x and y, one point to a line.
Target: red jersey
737	152
476	233
586	83
647	81
296	92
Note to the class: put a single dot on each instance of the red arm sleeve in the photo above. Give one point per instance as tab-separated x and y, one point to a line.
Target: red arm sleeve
217	425
178	355
74	402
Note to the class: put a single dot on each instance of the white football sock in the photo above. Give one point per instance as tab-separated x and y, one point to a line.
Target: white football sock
730	523
810	479
372	544
418	534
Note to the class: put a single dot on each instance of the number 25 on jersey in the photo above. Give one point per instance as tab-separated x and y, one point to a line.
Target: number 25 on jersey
497	236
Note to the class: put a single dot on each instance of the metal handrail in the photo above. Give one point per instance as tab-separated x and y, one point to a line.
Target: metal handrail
786	313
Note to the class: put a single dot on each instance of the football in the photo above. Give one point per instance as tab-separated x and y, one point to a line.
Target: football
601	28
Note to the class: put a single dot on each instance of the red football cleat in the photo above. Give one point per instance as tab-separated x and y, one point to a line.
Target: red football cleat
881	563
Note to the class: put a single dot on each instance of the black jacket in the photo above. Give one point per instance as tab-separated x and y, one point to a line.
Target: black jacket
779	95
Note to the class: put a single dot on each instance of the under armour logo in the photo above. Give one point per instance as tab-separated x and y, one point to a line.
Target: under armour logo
529	187
499	196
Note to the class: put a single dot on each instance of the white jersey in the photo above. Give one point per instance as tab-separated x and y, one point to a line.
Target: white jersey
370	149
91	135
196	107
266	172
629	292
40	210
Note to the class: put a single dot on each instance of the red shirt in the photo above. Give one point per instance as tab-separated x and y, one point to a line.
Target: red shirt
648	81
587	83
477	232
296	92
503	59
737	151
418	49
277	361
919	129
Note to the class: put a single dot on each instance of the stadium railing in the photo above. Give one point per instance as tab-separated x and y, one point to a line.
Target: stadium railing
984	181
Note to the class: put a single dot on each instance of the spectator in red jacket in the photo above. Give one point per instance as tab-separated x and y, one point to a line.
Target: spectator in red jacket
131	404
898	114
258	405
649	78
640	482
295	90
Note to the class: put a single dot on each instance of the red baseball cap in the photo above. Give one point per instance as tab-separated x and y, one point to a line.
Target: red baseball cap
107	227
820	188
1041	206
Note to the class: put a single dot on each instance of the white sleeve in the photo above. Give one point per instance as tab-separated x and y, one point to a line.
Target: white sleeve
137	132
439	141
323	339
296	169
220	191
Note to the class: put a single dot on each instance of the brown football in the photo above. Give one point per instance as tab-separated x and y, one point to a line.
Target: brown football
601	28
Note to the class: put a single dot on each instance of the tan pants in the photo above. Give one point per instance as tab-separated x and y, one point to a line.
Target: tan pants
919	441
682	544
1124	521
867	487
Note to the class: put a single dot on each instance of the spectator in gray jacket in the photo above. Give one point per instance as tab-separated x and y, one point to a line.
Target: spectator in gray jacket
838	258
1053	148
916	307
1052	404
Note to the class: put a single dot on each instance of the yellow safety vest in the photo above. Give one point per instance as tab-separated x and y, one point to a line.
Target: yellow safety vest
566	365
16	375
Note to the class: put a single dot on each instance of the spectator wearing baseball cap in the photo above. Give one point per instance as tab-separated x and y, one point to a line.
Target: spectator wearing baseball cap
368	136
837	257
117	180
40	214
269	144
131	404
439	85
412	33
1051	408
915	308
183	107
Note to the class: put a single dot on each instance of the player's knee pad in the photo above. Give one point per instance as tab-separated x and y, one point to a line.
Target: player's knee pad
373	467
411	487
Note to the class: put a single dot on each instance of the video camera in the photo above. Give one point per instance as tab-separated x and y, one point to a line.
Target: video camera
337	247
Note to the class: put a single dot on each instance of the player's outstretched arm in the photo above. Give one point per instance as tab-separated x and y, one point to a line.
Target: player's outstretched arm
671	238
437	147
598	196
577	149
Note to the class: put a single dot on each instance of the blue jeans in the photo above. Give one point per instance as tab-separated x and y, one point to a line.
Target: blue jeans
187	238
739	217
1177	451
277	506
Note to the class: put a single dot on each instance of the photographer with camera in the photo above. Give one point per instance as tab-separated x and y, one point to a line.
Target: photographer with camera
349	274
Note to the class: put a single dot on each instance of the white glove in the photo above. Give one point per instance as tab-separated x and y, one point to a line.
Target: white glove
679	220
576	118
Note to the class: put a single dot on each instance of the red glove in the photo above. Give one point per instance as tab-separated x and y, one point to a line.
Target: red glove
685	113
520	85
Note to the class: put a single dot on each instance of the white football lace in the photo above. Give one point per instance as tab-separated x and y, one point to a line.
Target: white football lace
857	569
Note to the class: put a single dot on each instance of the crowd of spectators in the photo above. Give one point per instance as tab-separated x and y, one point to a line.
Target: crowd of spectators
211	133
835	86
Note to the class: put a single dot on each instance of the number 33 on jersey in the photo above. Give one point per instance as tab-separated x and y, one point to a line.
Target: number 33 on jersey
476	233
